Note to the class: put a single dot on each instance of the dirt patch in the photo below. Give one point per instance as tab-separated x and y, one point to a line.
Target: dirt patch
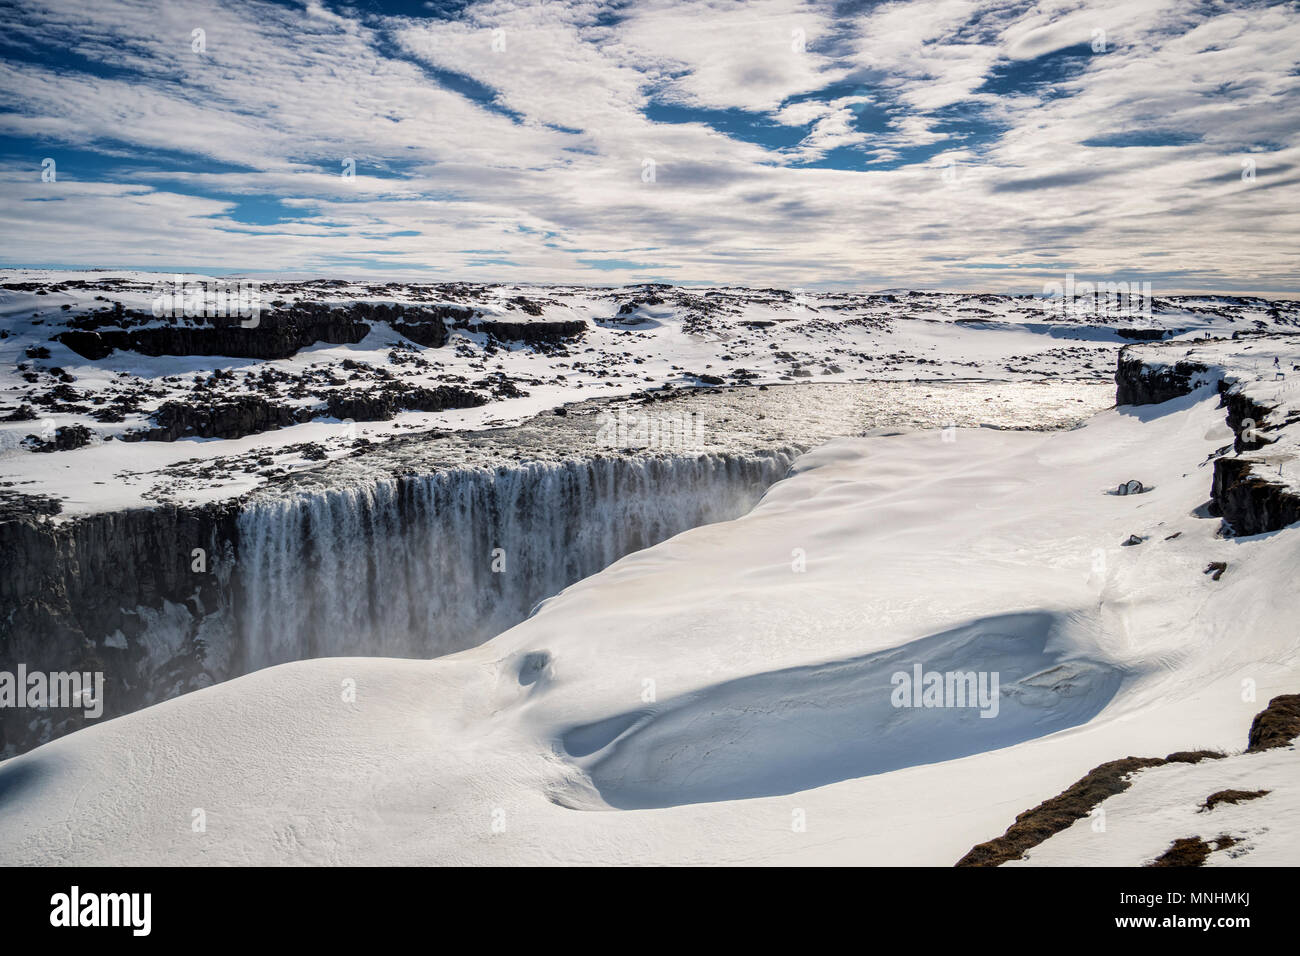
1232	796
1192	851
1056	814
1276	725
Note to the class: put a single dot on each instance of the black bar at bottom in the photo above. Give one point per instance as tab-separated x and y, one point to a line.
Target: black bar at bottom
332	905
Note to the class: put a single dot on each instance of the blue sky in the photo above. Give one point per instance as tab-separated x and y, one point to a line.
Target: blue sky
939	144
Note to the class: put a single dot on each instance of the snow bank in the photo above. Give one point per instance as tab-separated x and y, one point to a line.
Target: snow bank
722	697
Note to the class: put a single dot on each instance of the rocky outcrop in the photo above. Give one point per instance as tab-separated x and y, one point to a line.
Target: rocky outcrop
232	418
1241	492
1143	335
378	405
1061	811
1137	383
66	438
1276	725
426	326
532	333
431	334
1249	420
351	560
129	594
1251	504
527	305
276	335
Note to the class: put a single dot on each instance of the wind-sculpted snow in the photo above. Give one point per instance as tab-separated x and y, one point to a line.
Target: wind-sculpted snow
798	728
737	682
424	543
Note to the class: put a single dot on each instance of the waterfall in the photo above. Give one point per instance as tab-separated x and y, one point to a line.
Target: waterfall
418	566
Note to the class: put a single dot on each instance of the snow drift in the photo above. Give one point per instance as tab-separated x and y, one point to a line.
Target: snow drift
723	696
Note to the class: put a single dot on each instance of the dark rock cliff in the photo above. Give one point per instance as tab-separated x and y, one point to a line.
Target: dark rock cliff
1136	383
276	334
1247	499
374	558
99	593
531	333
232	418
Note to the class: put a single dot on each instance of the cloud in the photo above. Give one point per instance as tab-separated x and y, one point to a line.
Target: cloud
791	142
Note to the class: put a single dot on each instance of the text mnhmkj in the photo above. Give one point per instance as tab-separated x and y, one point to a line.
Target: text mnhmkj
38	689
923	688
102	909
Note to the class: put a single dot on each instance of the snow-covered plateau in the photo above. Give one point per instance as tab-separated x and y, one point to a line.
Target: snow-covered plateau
727	634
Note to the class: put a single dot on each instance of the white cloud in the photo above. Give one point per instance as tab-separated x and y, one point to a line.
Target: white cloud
462	134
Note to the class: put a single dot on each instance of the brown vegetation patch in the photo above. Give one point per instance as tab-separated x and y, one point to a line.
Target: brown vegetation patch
1232	796
1276	725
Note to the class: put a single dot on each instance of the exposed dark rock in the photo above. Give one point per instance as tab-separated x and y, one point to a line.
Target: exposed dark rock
229	418
533	333
276	335
1056	814
527	305
1249	503
630	306
15	505
1248	421
62	604
66	438
382	404
428	326
431	334
1232	796
1192	851
1276	725
1141	335
1136	383
23	413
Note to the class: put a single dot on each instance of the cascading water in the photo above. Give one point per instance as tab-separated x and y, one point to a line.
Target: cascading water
389	549
425	565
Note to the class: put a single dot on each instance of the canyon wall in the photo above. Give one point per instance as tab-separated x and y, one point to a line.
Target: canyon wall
1242	492
166	600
